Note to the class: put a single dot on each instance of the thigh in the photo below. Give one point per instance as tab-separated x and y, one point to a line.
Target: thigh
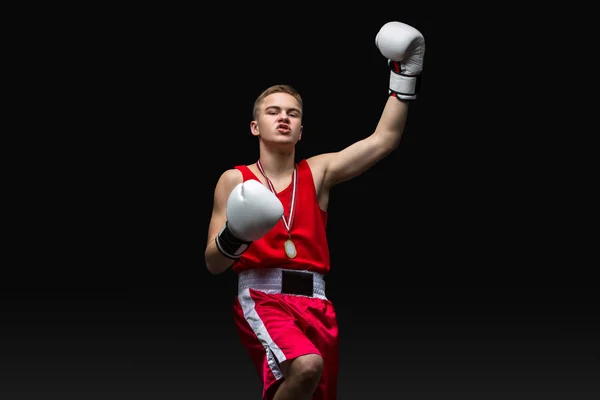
324	333
271	332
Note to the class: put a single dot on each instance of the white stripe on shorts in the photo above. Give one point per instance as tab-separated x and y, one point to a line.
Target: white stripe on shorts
261	333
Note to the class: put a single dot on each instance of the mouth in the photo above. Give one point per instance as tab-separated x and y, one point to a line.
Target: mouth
283	128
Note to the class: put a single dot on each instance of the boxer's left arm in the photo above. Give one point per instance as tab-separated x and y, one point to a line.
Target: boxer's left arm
404	47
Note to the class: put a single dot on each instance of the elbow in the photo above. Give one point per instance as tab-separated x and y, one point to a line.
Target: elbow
387	141
209	268
214	265
209	261
393	146
387	148
210	265
215	262
212	271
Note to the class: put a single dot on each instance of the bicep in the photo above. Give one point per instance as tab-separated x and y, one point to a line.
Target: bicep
353	160
362	155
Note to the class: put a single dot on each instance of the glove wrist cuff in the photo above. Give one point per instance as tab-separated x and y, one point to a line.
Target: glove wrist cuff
403	87
229	244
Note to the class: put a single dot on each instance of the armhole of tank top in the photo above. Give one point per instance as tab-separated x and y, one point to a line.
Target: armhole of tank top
303	166
246	172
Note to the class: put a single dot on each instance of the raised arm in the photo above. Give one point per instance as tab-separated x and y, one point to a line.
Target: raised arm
404	47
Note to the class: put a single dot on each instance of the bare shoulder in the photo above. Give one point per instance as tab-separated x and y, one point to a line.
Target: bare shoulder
227	181
231	176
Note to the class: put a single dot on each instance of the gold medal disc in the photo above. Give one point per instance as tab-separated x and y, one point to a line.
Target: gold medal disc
290	248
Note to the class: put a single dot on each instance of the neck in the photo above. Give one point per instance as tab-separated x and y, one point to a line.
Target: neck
277	164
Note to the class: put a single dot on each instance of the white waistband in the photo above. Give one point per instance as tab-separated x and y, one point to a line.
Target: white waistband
269	280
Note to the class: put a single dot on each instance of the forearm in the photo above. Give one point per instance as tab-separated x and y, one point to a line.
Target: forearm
392	122
216	262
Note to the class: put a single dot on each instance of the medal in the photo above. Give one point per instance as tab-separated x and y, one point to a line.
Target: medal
289	247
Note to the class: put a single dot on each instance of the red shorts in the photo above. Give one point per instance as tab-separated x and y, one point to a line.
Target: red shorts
278	327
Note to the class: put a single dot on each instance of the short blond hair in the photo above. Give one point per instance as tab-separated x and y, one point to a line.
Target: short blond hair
276	89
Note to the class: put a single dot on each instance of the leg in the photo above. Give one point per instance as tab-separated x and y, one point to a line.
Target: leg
323	332
302	375
272	331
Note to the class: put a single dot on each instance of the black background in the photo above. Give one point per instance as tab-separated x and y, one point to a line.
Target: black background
457	262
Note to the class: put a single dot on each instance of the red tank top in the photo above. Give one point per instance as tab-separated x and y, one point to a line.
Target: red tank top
307	230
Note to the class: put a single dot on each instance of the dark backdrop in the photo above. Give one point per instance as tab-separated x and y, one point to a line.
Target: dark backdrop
456	271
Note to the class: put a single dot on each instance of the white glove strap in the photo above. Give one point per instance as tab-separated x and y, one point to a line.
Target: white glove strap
404	86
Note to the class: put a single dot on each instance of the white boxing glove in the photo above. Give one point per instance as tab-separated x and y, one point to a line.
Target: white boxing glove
404	47
252	211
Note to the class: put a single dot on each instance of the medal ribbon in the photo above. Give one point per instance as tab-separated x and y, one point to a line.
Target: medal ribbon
287	224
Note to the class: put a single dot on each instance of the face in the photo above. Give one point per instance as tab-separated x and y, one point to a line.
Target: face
279	119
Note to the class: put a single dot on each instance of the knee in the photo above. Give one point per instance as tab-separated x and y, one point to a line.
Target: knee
307	368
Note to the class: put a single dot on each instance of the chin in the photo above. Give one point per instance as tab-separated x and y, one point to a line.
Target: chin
284	139
285	143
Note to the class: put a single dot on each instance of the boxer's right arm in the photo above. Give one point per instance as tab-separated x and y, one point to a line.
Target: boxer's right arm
242	213
216	262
